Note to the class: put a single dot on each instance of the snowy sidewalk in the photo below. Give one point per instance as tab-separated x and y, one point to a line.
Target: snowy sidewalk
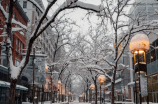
129	103
46	102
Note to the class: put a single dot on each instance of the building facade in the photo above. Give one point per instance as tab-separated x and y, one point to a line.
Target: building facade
46	41
148	10
18	44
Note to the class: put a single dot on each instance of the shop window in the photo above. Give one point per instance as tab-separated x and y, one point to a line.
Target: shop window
154	78
153	55
156	86
150	97
2	94
156	54
149	79
148	57
156	43
149	87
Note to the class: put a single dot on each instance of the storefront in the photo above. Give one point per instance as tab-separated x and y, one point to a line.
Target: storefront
4	93
152	71
153	88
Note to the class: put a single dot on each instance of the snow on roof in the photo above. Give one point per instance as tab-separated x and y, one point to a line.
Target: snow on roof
116	81
7	84
3	66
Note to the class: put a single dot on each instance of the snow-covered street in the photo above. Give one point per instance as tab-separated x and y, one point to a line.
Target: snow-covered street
78	51
76	102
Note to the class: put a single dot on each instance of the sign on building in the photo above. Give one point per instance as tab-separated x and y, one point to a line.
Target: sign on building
143	84
39	69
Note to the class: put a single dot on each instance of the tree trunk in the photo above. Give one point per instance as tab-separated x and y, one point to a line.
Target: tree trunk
53	101
51	90
12	91
95	92
112	93
113	85
87	93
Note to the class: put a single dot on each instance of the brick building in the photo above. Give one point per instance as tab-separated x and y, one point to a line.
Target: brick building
19	24
18	37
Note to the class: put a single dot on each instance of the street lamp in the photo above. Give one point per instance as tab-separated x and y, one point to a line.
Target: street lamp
92	88
59	83
101	79
69	96
138	46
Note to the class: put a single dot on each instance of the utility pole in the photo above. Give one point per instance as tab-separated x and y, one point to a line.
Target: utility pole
33	75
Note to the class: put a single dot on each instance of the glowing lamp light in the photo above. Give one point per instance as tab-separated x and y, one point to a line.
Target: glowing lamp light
101	78
92	86
139	42
59	82
46	68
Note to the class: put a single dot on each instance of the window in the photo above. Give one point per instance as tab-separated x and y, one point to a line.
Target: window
14	15
19	46
24	4
7	8
153	55
17	41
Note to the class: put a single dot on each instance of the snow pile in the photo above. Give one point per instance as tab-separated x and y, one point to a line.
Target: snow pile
16	29
19	23
15	71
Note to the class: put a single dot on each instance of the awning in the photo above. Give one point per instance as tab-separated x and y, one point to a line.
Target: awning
107	92
7	84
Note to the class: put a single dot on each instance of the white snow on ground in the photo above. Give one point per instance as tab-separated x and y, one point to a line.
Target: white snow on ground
46	102
76	102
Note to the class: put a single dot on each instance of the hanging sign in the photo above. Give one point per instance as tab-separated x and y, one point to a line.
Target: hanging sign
143	85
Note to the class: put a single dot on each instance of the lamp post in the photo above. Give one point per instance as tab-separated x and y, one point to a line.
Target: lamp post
34	75
101	79
92	89
68	96
59	83
138	46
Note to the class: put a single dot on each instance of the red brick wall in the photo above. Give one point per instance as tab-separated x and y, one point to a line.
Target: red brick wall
18	17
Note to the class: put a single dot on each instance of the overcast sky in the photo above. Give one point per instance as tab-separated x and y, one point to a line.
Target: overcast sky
79	15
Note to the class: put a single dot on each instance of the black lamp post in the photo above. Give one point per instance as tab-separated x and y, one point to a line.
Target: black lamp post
92	88
138	46
101	79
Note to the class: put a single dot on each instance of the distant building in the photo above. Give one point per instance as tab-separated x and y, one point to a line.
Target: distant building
46	41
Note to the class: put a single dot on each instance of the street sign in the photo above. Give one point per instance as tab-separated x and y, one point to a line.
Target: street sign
143	84
39	69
